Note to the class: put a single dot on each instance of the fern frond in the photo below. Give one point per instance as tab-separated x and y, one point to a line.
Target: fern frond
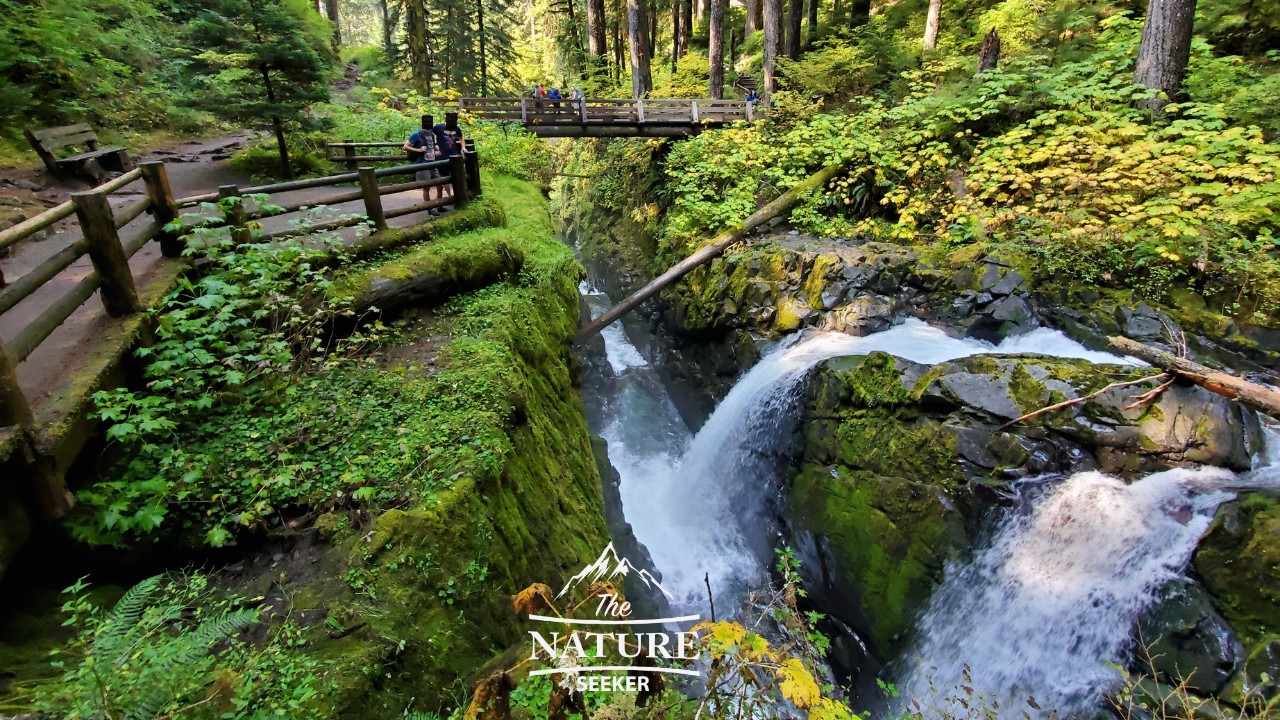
114	636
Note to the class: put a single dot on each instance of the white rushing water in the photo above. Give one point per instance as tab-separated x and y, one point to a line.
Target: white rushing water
1040	609
698	503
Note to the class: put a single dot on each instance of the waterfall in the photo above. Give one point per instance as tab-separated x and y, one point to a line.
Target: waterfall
699	503
1043	606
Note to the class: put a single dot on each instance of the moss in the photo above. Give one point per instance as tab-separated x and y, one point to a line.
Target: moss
436	579
889	537
863	418
1028	393
1239	560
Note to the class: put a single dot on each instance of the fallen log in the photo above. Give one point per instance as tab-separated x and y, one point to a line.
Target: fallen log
708	252
1251	395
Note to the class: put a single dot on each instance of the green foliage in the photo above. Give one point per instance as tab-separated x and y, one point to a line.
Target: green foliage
1049	156
262	62
238	333
97	61
170	647
262	162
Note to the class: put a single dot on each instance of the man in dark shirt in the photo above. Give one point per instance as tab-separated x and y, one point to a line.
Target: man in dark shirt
422	147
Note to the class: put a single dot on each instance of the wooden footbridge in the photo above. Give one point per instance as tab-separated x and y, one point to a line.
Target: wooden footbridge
611	117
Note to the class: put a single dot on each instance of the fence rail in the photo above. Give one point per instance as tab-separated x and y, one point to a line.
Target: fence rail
109	254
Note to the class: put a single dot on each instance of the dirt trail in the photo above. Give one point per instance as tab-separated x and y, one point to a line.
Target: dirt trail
194	168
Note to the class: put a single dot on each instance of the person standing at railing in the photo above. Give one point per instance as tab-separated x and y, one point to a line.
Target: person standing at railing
449	139
554	96
422	147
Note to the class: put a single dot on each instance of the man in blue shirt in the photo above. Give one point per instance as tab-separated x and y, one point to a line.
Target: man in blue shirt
422	147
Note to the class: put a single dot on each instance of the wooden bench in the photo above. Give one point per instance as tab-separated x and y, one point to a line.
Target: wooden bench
93	163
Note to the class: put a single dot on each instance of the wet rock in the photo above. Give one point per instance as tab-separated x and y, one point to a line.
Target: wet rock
1258	681
26	185
988	393
866	314
1183	639
1239	560
1196	425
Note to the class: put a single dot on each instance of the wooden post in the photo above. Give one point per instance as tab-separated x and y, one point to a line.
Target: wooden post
372	200
582	108
524	110
693	112
639	110
14	409
473	173
163	207
99	226
750	111
458	175
350	153
235	216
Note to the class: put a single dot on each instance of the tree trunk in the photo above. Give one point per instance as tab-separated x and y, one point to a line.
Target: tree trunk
331	9
795	15
1164	50
686	25
618	60
931	24
651	32
483	37
596	45
1251	395
772	38
813	24
715	48
384	13
675	34
989	56
637	38
286	168
419	62
754	17
835	12
859	12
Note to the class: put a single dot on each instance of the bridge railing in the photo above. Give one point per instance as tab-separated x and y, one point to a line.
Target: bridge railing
541	111
100	225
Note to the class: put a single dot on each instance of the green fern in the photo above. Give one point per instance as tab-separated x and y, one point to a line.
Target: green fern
147	657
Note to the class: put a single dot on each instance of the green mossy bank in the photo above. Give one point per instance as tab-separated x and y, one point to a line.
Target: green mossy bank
428	601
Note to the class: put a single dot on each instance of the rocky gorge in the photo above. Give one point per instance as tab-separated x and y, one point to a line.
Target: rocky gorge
898	469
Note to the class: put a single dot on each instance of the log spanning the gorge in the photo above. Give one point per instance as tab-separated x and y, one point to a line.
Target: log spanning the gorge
712	250
1251	395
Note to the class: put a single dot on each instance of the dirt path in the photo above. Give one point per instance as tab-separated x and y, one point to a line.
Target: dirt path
194	168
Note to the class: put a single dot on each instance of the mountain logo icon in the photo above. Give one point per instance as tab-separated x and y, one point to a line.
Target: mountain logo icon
609	566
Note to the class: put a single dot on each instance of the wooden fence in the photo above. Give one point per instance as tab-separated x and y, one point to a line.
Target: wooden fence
100	225
609	111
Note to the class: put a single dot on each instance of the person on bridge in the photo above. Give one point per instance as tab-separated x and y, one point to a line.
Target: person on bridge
422	147
554	96
575	93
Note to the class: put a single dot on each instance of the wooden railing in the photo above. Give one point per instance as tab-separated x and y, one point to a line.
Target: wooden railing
537	111
100	225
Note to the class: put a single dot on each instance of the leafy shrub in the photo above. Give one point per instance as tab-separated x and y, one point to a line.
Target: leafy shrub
262	162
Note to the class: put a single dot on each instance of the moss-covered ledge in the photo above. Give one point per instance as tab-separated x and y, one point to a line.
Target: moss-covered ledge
426	602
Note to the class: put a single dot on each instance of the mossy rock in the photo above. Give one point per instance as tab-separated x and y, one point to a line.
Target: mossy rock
1239	560
889	539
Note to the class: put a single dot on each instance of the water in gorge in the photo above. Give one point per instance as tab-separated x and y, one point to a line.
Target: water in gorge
1035	611
1060	583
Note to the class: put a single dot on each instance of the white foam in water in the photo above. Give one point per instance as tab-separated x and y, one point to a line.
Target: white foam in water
698	514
